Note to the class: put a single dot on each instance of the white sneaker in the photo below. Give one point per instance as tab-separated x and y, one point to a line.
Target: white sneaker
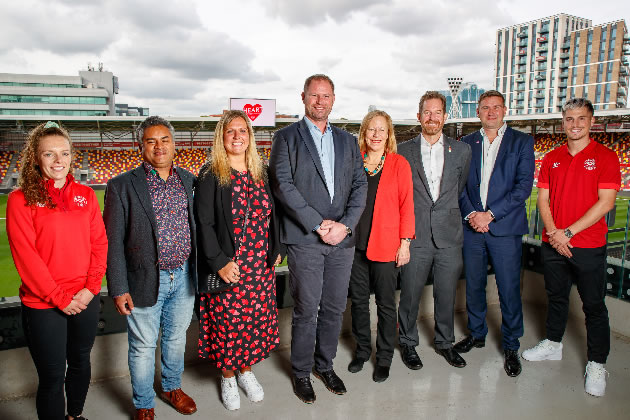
251	386
595	383
545	350
229	393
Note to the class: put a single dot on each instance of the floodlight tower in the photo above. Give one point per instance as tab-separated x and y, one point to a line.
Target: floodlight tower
454	85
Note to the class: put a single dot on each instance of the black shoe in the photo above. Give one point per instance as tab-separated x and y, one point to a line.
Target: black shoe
410	357
333	382
512	364
381	373
356	365
452	357
468	343
303	389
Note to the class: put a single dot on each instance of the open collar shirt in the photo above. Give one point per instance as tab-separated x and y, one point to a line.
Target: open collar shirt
488	159
326	151
433	163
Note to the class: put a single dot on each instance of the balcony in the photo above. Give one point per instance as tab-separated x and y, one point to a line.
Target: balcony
540	77
626	39
519	88
564	74
520	79
541	39
562	94
566	45
521	62
539	95
519	107
562	84
624	61
522	51
564	64
564	56
521	69
541	58
626	49
523	43
539	105
522	34
519	97
621	91
542	68
622	81
544	30
623	71
542	48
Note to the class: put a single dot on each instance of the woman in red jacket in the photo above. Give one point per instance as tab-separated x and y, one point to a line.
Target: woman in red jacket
59	248
383	234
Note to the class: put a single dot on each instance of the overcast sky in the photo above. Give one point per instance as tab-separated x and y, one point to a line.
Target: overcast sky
188	57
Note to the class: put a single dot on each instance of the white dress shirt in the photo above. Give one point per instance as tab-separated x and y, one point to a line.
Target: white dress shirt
433	162
488	159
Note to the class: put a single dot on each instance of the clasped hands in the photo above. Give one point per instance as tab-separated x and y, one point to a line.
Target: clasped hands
80	301
559	241
479	221
231	273
332	232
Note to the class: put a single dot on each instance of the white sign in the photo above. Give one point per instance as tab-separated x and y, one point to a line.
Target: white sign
261	112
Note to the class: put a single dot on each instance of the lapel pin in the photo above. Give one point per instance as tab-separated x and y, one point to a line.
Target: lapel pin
449	149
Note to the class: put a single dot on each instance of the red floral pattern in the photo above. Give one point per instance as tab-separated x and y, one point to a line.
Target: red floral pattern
239	327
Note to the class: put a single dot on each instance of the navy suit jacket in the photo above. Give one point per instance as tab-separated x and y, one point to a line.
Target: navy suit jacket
297	181
132	232
510	183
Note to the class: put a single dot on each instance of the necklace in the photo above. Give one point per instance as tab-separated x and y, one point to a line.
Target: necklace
378	167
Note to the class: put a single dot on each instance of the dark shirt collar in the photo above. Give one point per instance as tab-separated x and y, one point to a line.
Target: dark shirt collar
149	169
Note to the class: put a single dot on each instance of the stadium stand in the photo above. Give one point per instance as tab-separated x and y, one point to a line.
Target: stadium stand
5	162
191	159
106	164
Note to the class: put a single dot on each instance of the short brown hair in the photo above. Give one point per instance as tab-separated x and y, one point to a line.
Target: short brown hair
432	94
490	94
318	76
390	144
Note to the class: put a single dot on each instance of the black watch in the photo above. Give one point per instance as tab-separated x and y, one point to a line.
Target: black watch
348	231
568	233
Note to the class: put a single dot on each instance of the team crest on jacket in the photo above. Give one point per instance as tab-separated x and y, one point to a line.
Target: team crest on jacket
589	164
80	200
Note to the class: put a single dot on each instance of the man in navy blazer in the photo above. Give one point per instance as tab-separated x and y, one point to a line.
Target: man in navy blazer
493	211
151	273
317	177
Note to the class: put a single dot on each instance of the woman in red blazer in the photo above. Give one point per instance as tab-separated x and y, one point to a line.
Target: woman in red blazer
383	234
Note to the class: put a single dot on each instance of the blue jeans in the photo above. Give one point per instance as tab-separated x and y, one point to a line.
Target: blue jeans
172	312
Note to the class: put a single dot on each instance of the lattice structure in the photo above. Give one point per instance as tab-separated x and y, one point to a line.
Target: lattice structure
454	85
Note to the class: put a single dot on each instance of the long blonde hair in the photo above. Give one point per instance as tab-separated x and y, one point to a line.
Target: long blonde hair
219	164
30	180
390	144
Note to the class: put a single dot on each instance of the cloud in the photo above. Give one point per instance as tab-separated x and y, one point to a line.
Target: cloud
311	13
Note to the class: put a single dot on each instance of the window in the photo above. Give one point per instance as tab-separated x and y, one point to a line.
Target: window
53	112
41	99
576	48
602	44
587	73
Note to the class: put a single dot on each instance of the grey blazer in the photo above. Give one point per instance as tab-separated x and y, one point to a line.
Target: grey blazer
132	256
438	221
297	181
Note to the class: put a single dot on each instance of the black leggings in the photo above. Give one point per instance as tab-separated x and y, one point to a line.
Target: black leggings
54	338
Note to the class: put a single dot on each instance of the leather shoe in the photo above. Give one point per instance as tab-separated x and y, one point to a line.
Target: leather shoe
381	373
452	357
356	365
181	402
333	382
410	357
465	345
303	389
512	364
144	414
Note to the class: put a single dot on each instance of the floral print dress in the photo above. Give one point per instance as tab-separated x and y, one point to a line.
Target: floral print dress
239	326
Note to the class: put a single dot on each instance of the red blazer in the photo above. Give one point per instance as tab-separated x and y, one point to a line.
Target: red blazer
393	216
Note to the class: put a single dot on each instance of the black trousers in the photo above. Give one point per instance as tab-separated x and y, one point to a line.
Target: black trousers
587	268
381	276
56	340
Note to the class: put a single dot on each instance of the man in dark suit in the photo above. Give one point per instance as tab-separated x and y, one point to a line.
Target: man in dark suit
151	264
493	209
318	179
439	166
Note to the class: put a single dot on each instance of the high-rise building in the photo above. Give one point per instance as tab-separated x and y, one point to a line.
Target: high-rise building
91	93
467	97
539	64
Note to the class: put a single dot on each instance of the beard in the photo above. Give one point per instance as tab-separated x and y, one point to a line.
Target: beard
431	129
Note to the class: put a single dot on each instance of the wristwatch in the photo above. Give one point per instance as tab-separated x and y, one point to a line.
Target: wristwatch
406	239
348	231
568	233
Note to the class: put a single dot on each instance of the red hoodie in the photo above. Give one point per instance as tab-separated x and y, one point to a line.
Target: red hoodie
59	251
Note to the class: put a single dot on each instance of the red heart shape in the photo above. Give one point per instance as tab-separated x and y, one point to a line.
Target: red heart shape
252	111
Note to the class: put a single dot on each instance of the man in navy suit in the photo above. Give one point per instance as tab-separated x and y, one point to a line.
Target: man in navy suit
317	177
493	210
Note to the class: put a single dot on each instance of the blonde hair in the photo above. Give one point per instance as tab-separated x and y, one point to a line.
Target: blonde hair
219	164
30	180
390	144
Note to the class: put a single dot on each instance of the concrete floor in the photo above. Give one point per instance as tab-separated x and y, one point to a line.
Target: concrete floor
481	390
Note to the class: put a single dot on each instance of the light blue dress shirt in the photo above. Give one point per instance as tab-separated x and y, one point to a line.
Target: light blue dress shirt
326	151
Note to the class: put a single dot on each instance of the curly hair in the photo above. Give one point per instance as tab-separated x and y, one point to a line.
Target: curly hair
390	144
219	164
31	181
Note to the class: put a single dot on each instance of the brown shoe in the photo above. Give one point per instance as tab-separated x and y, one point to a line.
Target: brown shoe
180	401
144	414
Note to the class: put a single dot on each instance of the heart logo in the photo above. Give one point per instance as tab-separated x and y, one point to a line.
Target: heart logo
252	111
